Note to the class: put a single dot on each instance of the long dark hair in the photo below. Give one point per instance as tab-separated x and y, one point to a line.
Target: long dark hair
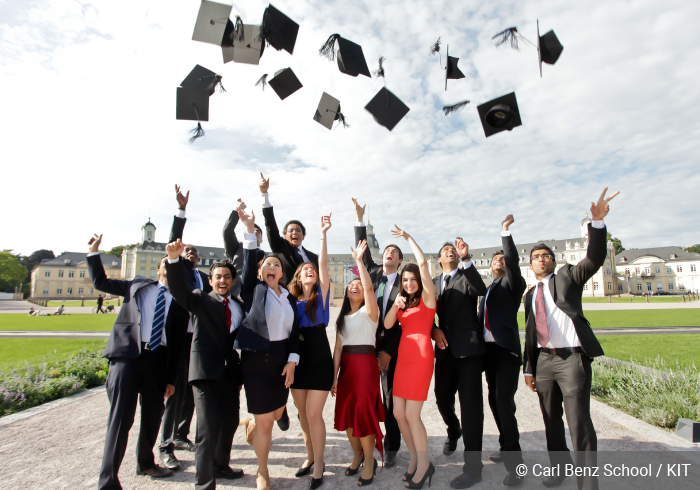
278	257
297	290
412	300
345	309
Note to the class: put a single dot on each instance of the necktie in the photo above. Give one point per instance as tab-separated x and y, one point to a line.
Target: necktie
227	314
297	255
541	317
380	296
447	282
486	311
198	280
158	321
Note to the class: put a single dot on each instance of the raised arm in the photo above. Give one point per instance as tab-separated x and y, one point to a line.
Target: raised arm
361	234
97	271
273	233
323	259
370	298
510	253
179	220
231	242
428	286
175	268
250	252
476	286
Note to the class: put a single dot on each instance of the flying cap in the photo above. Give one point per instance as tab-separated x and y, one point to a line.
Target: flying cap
285	83
328	112
211	22
451	69
548	47
278	30
351	59
202	78
500	114
387	108
247	47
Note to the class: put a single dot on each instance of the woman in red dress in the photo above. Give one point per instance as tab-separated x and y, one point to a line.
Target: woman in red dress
415	308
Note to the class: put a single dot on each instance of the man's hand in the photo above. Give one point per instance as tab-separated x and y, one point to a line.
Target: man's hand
530	383
325	224
600	209
507	222
264	185
240	204
169	391
383	360
247	219
462	247
439	338
95	243
359	210
289	373
175	249
181	200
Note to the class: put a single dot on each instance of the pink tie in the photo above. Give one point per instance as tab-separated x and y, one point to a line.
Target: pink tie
541	317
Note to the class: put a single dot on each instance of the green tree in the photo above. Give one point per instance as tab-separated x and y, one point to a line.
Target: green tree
30	262
695	248
617	243
12	273
116	251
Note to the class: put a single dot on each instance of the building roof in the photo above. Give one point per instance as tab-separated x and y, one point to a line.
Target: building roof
664	253
78	257
149	223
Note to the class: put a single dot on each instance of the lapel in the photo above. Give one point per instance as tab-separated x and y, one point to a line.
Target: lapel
220	316
394	291
552	288
489	291
451	285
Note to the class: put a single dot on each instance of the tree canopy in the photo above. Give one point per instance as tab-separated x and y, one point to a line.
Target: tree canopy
12	273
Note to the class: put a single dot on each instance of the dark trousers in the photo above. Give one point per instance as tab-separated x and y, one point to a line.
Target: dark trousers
392	438
502	370
565	379
127	379
462	375
217	403
175	405
183	428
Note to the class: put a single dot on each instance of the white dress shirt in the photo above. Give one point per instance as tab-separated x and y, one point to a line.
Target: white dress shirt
146	300
488	335
562	332
444	275
390	280
236	312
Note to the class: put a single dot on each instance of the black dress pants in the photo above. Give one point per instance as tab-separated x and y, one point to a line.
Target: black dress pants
502	370
175	405
217	402
463	375
392	437
566	379
127	379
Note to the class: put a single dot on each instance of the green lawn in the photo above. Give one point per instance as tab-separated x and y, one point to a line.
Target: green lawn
36	351
638	318
636	299
20	321
93	303
676	350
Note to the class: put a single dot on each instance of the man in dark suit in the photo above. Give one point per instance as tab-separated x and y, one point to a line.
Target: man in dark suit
459	359
386	286
559	348
234	249
100	302
498	314
215	372
144	352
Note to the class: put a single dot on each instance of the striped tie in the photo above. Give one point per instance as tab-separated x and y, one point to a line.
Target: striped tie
541	317
158	321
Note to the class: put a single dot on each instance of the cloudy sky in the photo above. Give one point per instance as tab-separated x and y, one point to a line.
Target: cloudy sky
90	141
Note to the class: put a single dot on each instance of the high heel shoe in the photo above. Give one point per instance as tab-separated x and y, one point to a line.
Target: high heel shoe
351	472
409	476
245	423
428	476
304	471
317	482
362	482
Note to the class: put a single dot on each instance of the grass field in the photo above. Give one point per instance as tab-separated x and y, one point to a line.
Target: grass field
93	303
638	318
636	299
36	351
20	321
676	350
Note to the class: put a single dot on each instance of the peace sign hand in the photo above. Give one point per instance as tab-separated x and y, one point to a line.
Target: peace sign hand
264	185
600	209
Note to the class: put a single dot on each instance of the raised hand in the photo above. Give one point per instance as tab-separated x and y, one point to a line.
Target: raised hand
357	253
95	243
400	302
325	224
181	200
247	219
400	233
600	209
462	247
264	185
359	210
507	222
240	204
174	249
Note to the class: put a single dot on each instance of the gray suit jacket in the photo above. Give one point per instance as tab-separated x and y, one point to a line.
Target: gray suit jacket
234	251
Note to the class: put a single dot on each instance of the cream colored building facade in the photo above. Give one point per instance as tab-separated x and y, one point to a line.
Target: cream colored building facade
650	270
66	277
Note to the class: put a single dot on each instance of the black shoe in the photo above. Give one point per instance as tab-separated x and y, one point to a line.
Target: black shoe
496	457
428	476
409	476
465	480
169	461
350	471
512	480
450	446
304	471
317	482
362	482
155	472
553	481
183	445
227	472
283	422
390	460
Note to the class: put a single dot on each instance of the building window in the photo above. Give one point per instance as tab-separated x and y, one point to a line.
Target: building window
335	291
647	270
153	273
69	290
335	269
669	270
59	290
561	256
636	270
627	270
595	286
47	273
336	278
153	259
142	270
608	269
585	287
143	258
679	268
670	286
659	287
80	290
573	257
692	268
129	258
71	273
609	286
681	285
619	287
528	272
91	291
639	287
649	287
45	291
657	269
60	273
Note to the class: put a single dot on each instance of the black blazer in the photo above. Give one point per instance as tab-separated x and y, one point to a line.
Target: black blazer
175	233
125	338
253	333
234	250
281	246
388	339
566	286
212	354
504	301
457	313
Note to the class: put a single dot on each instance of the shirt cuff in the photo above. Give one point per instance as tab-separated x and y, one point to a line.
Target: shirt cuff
180	213
467	264
92	254
250	241
360	223
293	358
527	374
266	200
173	261
505	233
598	223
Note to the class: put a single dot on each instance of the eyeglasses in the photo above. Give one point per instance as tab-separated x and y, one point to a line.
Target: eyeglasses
543	256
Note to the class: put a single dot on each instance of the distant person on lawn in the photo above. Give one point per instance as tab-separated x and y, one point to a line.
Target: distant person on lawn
100	300
60	310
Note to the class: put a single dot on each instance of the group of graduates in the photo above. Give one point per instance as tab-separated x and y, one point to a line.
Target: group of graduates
176	343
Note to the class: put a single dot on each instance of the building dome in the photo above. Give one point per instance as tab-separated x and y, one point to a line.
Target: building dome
585	221
148	232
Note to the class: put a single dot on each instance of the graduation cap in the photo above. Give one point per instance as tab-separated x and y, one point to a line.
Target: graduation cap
548	47
387	108
500	114
328	112
233	30
202	78
211	23
451	69
351	59
285	83
193	97
278	30
246	47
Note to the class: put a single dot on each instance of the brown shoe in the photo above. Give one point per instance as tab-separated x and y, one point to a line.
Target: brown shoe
155	472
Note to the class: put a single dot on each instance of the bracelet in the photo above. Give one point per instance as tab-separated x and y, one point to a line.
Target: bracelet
322	238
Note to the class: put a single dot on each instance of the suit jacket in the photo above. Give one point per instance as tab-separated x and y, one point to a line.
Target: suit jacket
281	246
175	233
234	250
566	287
388	339
125	338
457	315
212	354
253	334
504	301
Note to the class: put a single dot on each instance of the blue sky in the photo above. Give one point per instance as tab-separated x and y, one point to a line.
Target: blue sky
91	143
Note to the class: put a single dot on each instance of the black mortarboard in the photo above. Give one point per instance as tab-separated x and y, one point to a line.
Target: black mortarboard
285	83
451	69
351	59
328	112
387	108
211	22
247	46
193	105
548	47
500	114
203	78
279	30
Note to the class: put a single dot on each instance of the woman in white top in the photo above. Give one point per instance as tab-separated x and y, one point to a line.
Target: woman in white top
358	406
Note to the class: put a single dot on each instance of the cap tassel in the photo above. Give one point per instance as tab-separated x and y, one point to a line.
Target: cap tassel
267	28
218	84
328	48
435	47
339	117
238	30
262	82
380	71
512	36
196	133
449	109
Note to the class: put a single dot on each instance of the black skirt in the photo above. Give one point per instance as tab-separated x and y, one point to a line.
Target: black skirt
262	378
315	369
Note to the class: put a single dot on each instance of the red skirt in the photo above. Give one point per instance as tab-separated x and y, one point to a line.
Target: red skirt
358	403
